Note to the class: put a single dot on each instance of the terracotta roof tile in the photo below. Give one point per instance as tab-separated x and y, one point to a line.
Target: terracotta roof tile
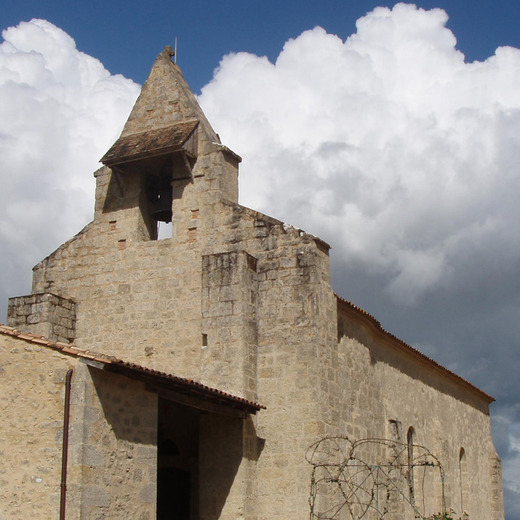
408	348
178	383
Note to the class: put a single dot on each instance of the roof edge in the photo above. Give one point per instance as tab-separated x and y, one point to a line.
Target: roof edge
399	343
179	382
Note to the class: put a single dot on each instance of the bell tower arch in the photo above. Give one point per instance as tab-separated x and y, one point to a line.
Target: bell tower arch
166	158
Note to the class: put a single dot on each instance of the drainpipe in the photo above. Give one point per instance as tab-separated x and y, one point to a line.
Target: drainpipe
65	445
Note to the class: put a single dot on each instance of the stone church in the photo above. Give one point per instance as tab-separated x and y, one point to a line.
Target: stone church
214	374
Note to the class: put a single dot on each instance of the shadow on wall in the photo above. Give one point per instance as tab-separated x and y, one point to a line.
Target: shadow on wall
221	455
188	460
129	411
384	349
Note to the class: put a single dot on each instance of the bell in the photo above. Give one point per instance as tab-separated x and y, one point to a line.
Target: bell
160	198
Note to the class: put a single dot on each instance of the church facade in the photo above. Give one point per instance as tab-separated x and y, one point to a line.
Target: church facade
214	374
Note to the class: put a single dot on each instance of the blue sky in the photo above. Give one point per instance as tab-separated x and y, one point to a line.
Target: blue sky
123	35
411	158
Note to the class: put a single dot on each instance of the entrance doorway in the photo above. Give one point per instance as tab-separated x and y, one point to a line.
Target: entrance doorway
177	462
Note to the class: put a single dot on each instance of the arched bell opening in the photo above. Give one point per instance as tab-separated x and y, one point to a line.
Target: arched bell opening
159	193
157	160
164	180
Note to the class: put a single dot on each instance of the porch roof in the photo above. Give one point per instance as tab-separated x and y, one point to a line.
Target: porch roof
179	389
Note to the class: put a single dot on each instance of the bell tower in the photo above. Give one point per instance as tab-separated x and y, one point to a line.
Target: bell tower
166	157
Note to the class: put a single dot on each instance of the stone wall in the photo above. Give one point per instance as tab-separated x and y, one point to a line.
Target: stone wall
229	328
263	332
32	411
386	390
225	466
141	299
112	454
113	451
44	314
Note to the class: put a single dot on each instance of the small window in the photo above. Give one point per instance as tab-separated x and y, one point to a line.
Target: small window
463	479
395	429
409	442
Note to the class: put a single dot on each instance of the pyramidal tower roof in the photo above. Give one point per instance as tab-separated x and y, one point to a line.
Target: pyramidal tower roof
164	117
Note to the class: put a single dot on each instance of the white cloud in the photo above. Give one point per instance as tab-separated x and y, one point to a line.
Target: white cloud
388	145
60	110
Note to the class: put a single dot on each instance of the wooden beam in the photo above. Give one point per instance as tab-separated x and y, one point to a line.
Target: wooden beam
191	401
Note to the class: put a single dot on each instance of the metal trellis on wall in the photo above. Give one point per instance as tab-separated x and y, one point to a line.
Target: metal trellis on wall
373	479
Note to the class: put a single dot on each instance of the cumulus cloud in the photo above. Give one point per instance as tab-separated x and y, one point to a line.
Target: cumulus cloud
387	144
59	112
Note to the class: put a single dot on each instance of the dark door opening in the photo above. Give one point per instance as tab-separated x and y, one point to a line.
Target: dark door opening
177	462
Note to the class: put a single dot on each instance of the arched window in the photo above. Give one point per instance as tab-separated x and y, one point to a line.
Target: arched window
409	442
463	479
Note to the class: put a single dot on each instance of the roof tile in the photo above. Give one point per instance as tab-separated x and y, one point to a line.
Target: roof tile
179	383
405	346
